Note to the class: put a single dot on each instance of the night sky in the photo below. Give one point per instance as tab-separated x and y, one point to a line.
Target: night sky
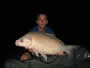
69	25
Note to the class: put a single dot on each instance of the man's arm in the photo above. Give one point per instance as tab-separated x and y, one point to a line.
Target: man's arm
25	56
34	29
49	30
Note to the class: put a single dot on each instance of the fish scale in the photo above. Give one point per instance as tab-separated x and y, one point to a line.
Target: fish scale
47	44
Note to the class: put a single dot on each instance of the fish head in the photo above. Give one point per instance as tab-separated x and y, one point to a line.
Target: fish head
26	43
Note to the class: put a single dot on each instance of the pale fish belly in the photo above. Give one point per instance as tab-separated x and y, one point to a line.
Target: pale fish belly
48	50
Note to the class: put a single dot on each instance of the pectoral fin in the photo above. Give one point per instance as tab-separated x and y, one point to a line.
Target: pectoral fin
35	52
44	56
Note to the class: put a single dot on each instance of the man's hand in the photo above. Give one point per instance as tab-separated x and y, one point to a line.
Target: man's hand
30	50
25	56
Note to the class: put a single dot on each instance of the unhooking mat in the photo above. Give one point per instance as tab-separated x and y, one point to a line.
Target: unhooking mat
60	62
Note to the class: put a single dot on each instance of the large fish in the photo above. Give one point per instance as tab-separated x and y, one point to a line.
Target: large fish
43	44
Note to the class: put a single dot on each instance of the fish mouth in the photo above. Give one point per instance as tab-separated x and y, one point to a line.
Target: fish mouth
16	43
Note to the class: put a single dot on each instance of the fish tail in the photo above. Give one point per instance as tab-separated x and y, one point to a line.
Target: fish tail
69	48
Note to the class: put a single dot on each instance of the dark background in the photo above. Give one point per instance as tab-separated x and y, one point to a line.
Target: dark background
69	24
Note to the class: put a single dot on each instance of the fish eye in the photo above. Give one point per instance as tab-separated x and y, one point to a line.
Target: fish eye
21	40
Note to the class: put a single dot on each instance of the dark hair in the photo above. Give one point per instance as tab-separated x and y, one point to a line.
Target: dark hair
42	14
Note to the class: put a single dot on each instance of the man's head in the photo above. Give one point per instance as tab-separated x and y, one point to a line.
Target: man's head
42	20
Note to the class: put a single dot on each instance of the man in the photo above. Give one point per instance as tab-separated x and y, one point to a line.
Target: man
42	21
60	62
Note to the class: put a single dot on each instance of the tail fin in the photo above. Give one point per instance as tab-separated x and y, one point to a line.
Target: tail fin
70	48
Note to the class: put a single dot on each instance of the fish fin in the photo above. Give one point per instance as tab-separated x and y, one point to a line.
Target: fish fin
44	56
60	53
69	48
36	52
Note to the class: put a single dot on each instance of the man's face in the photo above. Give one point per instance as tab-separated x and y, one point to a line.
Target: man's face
42	20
